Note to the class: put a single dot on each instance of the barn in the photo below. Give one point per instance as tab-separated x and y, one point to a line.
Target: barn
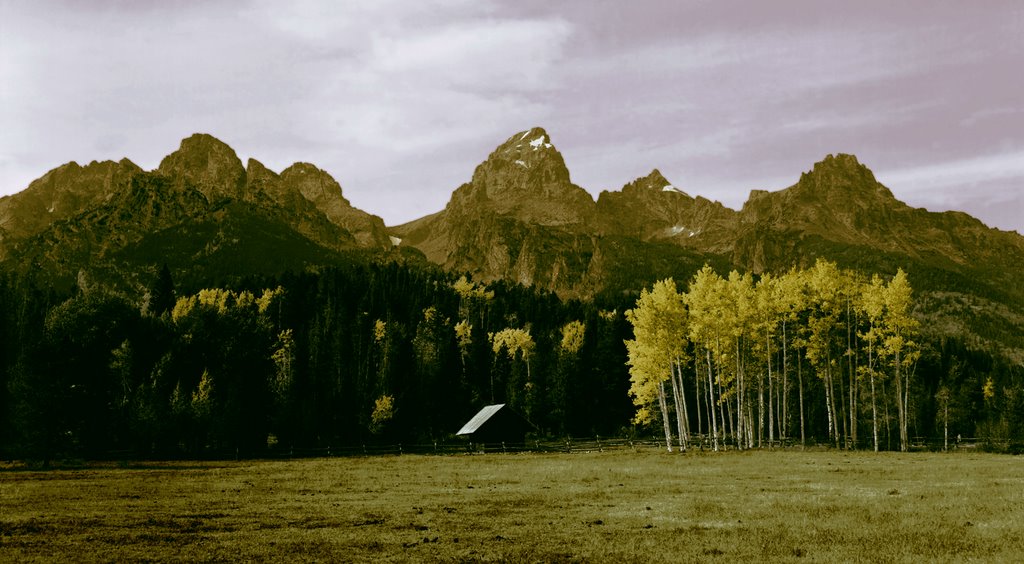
496	424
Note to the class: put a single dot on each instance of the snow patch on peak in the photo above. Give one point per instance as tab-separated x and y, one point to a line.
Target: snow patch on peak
395	241
522	164
539	142
525	133
677	229
671	188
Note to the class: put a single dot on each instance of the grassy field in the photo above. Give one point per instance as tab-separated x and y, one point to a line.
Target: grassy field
602	507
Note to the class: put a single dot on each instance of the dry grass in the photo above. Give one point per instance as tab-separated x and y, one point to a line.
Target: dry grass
605	507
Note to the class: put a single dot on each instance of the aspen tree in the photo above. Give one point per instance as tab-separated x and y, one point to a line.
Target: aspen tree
658	347
791	302
824	283
472	296
899	345
513	342
942	397
872	303
769	314
705	301
739	317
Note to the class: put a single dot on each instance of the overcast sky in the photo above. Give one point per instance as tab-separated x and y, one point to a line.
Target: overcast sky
400	100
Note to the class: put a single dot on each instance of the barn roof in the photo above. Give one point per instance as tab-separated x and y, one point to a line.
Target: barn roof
479	419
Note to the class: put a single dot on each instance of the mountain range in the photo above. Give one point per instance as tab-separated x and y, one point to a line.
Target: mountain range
518	218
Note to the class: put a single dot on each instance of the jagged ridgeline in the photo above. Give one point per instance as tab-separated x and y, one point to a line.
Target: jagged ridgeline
519	225
201	212
519	218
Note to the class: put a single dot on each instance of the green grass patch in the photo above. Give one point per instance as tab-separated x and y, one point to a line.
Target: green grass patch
603	507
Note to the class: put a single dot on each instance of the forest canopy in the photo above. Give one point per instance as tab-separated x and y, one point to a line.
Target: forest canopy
383	352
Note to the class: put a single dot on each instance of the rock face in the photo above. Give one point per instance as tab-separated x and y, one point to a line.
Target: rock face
652	208
59	194
324	193
526	178
839	205
520	217
75	218
207	164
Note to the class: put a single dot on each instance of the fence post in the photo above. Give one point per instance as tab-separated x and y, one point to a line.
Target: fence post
599	447
399	449
503	447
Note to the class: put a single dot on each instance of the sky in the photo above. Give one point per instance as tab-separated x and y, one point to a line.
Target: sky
400	100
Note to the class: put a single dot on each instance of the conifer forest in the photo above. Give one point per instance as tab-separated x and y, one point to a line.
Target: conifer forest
384	353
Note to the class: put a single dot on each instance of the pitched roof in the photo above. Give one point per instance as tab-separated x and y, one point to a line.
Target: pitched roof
479	419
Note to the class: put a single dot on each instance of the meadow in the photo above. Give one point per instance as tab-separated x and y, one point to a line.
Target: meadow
785	506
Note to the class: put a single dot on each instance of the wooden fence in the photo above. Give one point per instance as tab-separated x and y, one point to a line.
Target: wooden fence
567	445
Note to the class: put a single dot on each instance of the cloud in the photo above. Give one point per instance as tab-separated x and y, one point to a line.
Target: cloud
490	55
949	179
336	77
400	100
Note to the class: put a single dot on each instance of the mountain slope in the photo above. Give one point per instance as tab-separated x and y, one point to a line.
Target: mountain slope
200	204
838	204
59	194
652	208
520	218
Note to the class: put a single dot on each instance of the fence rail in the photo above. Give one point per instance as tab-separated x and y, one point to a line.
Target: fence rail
567	445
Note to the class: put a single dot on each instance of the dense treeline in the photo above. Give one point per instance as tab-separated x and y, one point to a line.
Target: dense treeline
354	355
387	353
821	352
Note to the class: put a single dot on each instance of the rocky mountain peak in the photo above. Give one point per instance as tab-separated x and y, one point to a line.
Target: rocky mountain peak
842	164
209	164
653	182
526	177
320	189
840	177
314	184
254	169
259	178
535	138
61	193
527	156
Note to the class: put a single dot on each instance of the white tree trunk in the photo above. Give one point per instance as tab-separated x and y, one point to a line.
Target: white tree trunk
664	416
771	412
677	399
901	406
874	406
711	406
784	391
800	378
697	395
